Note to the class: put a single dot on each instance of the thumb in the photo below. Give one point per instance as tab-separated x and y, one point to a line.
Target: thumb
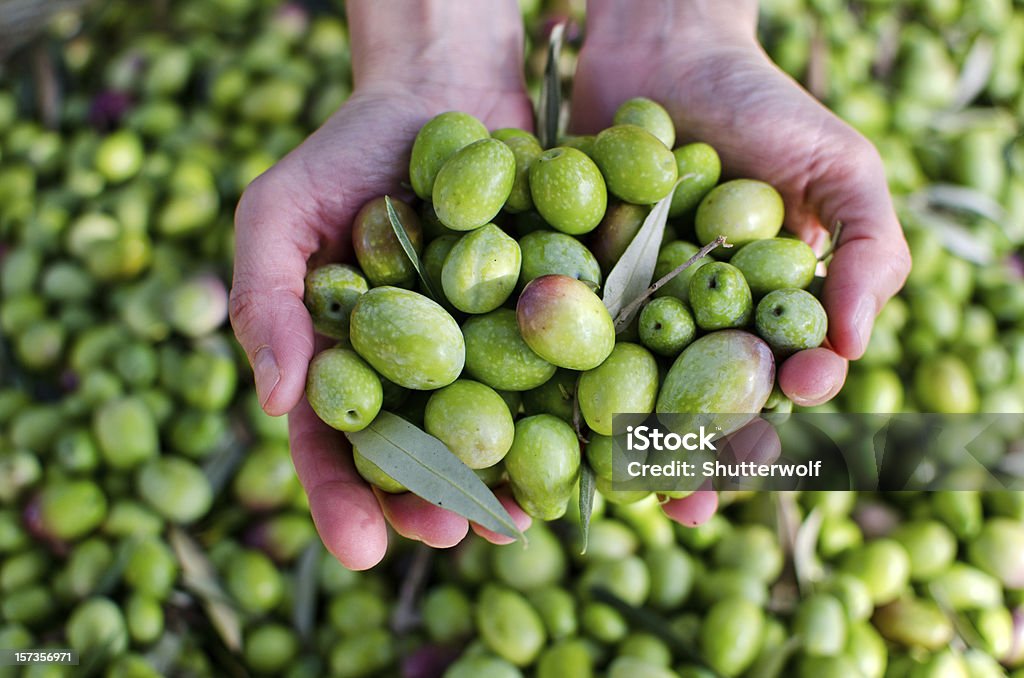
266	309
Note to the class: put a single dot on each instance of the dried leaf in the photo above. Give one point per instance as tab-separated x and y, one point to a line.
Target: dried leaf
550	108
961	198
633	272
427	467
200	578
586	503
410	251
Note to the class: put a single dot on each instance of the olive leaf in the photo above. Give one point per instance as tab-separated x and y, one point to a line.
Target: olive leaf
550	105
806	563
410	251
424	465
977	67
586	503
958	198
633	272
199	577
306	581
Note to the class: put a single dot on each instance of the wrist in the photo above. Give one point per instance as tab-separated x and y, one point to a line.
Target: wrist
662	26
425	44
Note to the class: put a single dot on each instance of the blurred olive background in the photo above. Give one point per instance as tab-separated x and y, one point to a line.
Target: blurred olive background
149	513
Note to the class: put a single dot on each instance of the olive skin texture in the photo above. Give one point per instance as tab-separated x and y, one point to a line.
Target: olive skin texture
496	354
565	323
331	293
730	635
481	270
407	338
699	169
627	381
791	320
650	115
943	384
472	420
437	141
509	626
636	165
720	297
473	184
526	149
543	464
548	253
568	190
666	326
775	264
378	251
743	210
343	390
727	372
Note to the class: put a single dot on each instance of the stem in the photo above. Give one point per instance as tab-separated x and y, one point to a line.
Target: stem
405	617
577	414
626	314
834	242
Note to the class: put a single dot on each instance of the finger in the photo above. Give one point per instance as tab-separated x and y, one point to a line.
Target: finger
267	312
416	518
871	260
813	377
344	509
757	443
519	517
693	510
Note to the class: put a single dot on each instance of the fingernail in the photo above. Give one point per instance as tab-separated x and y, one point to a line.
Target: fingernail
267	375
863	319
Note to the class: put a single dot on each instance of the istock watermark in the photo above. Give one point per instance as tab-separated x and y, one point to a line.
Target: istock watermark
817	451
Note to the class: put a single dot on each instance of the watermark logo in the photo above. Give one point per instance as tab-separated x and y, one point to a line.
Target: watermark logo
645	438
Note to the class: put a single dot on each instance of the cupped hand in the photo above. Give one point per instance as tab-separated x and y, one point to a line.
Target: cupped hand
723	89
298	215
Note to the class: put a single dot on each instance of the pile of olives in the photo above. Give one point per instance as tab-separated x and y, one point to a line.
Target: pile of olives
516	242
915	585
150	517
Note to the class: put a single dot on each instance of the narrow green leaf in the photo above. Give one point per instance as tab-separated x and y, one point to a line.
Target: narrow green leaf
410	251
427	467
586	503
550	108
200	579
633	272
306	579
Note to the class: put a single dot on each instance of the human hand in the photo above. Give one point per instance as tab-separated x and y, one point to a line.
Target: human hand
702	62
299	214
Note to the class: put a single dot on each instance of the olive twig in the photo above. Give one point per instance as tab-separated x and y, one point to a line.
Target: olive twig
577	413
405	617
629	310
834	241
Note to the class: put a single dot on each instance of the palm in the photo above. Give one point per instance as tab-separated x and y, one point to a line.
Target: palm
765	126
305	207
